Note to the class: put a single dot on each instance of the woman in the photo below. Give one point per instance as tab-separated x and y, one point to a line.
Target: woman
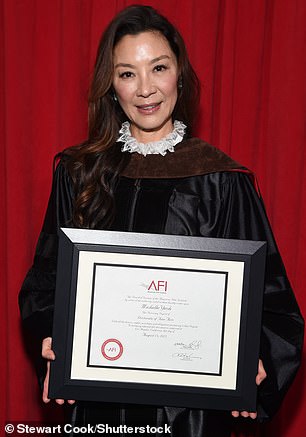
141	170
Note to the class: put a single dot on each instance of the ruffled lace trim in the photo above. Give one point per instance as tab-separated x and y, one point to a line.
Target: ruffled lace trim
161	147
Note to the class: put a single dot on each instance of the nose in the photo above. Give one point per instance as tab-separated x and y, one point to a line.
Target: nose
145	86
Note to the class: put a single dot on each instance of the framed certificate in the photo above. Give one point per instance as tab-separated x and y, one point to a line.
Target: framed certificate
157	319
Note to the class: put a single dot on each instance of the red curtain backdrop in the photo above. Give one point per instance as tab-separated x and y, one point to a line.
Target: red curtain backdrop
250	57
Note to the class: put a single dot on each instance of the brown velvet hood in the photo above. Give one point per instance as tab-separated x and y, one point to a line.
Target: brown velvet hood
192	157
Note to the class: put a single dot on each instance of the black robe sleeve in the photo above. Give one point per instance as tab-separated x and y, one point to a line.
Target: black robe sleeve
243	216
36	297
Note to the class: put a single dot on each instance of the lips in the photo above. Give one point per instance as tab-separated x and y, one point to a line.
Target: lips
148	108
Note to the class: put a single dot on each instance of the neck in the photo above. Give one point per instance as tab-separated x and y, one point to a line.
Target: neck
148	136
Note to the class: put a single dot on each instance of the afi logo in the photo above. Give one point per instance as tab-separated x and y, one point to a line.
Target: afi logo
158	286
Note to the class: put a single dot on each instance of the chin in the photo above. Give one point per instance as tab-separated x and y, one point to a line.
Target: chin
152	125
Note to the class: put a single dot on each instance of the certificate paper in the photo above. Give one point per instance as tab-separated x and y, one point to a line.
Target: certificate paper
162	316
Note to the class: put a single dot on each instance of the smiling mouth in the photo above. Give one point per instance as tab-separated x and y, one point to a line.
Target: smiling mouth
149	108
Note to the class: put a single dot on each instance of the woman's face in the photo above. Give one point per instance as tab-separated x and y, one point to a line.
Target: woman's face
145	82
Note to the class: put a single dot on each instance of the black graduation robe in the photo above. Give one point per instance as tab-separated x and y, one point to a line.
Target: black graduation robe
199	191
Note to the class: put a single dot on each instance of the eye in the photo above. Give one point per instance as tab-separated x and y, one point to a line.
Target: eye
126	75
160	67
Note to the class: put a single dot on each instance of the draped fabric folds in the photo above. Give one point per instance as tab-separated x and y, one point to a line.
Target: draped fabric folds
250	58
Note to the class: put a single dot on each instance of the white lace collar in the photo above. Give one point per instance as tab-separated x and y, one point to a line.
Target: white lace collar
154	148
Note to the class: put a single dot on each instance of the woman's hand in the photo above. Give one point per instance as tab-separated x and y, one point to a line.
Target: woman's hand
49	355
261	375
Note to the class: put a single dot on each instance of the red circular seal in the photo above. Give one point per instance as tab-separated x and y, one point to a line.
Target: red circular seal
112	349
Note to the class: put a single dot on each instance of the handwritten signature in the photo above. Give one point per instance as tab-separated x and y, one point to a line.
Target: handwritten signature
194	345
185	357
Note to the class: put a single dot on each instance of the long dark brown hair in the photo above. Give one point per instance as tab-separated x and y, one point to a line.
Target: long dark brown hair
95	165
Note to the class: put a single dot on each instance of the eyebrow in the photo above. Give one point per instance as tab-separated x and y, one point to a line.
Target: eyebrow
159	58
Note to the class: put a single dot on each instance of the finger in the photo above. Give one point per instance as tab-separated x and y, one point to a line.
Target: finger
60	401
245	413
46	385
46	350
261	375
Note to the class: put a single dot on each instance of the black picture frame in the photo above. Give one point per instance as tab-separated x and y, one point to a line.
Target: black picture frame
71	330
